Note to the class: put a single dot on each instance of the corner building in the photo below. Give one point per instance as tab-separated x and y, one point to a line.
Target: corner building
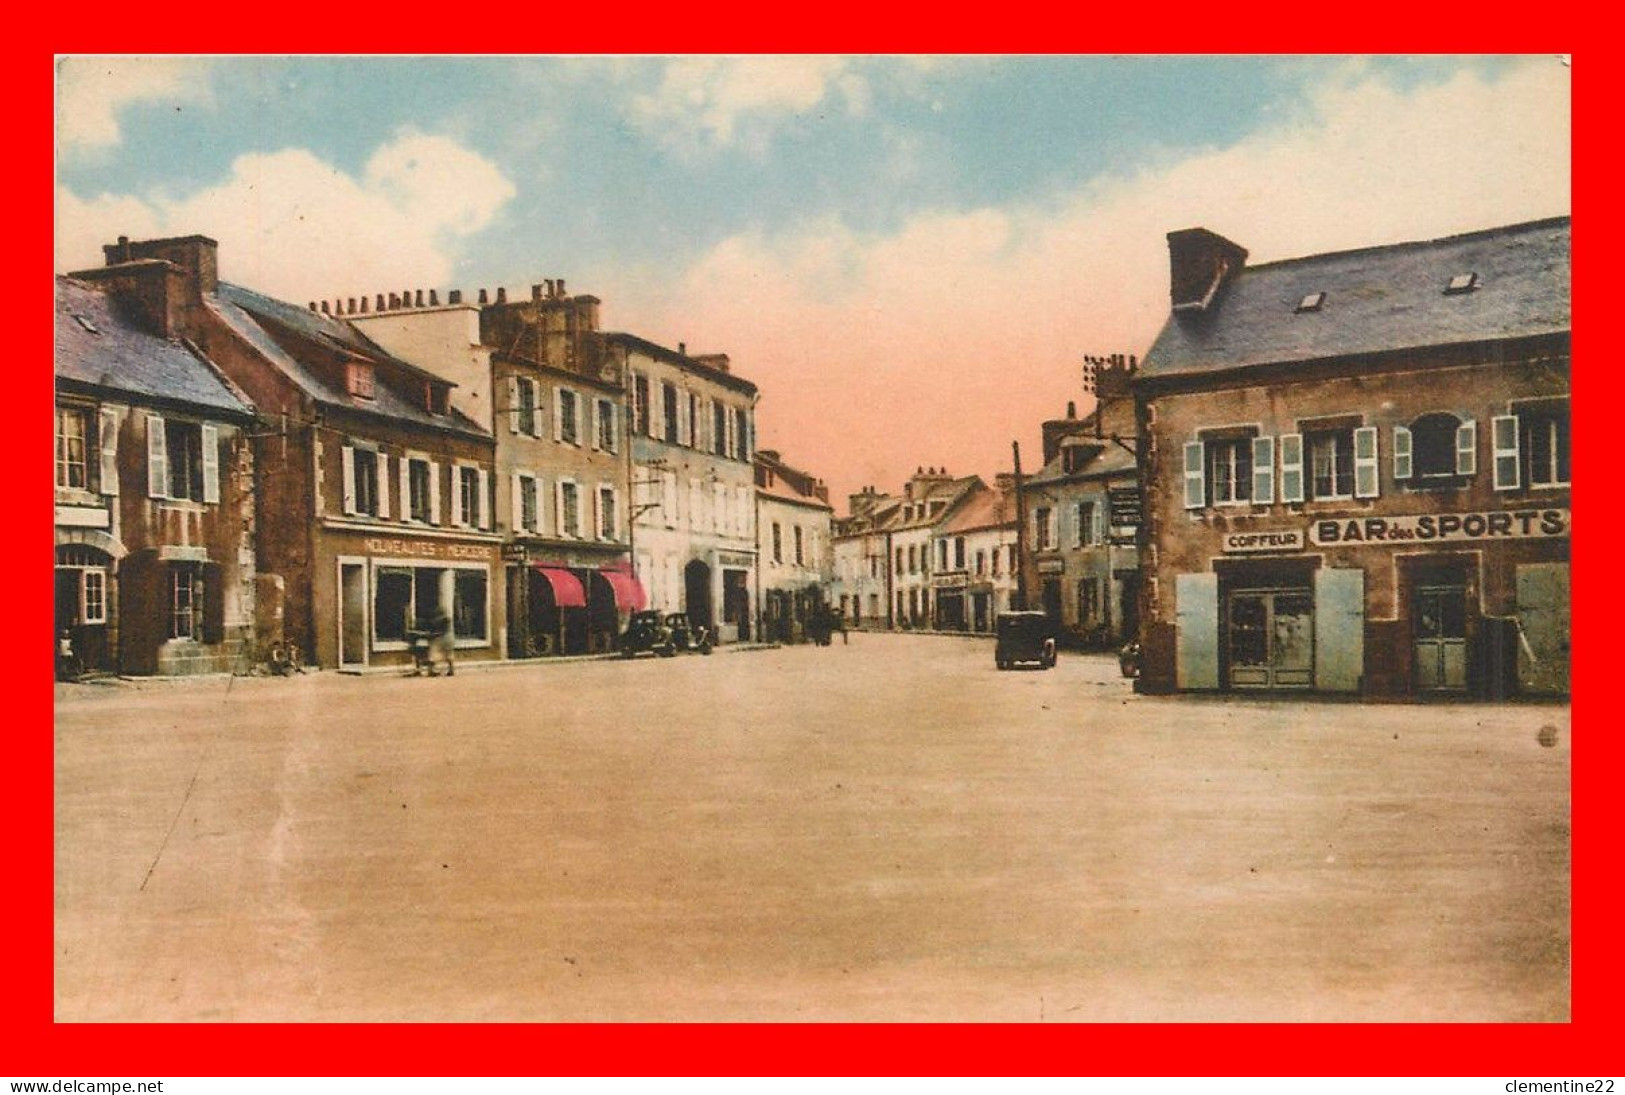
1357	469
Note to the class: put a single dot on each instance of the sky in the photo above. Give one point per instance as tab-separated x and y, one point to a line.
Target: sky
910	256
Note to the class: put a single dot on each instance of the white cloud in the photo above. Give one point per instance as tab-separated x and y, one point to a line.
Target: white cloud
295	226
721	101
92	90
943	341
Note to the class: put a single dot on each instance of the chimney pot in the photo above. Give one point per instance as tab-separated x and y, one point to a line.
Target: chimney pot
313	306
1071	409
394	301
349	308
434	298
536	292
380	303
454	296
561	287
363	305
419	299
502	295
484	299
682	348
324	307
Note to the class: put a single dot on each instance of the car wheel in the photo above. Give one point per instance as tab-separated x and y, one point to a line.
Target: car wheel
668	651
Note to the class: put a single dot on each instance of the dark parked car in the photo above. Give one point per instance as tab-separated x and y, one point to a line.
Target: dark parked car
686	635
646	632
1024	637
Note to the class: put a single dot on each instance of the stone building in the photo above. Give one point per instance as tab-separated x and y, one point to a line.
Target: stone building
793	517
154	486
861	559
1083	506
929	498
374	491
1357	469
532	371
975	569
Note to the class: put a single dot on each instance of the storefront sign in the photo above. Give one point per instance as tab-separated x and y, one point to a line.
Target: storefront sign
514	553
427	549
83	517
949	581
1286	539
1124	503
1522	524
1052	566
734	559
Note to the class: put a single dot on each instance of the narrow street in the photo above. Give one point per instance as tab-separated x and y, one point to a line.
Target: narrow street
885	830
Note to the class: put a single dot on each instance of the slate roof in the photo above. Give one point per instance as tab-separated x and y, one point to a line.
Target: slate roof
949	491
1113	460
986	508
1377	299
655	350
247	312
122	355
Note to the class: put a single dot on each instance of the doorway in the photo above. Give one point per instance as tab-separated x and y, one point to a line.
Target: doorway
352	614
697	594
1439	636
1269	638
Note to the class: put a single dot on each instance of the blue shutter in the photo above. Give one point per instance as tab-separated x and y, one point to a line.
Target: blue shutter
1196	603
1402	452
1339	629
1365	462
1292	467
1264	470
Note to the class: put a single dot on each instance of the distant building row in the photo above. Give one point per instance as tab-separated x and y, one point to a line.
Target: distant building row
234	470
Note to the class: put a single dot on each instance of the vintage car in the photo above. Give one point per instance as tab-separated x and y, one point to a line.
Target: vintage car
646	633
1024	637
686	635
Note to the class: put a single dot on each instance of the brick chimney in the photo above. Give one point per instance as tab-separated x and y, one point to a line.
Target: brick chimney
1200	262
719	362
198	256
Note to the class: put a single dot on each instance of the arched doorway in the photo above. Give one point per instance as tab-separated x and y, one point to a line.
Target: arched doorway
697	594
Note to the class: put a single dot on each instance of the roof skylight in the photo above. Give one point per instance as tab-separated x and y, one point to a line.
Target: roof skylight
1462	283
1311	303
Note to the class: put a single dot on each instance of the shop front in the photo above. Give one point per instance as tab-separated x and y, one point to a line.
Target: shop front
389	587
567	601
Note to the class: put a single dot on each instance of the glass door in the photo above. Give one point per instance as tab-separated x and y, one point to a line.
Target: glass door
1439	614
1270	638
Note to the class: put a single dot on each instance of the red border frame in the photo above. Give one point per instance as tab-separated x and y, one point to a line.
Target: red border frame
38	1047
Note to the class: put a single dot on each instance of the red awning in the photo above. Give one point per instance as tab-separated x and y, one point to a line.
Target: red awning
629	595
567	591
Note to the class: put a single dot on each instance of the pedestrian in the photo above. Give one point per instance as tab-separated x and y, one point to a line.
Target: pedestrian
440	641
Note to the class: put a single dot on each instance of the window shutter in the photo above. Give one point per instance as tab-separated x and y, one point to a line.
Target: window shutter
347	458
381	471
458	517
513	404
591	416
614	431
157	458
1467	447
668	499
597	514
1365	462
1264	470
558	414
485	499
683	437
406	487
107	439
538	411
614	513
516	501
1292	467
1504	428
210	436
1402	451
1195	486
558	508
434	493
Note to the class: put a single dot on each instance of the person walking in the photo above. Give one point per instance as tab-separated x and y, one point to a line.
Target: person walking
441	643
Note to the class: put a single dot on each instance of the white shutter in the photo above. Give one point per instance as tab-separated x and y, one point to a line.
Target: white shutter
211	461
614	418
538	408
458	517
1402	452
558	415
485	498
434	492
381	472
1504	434
1264	470
1365	462
513	404
558	508
597	514
614	513
1467	447
683	433
591	417
1195	487
347	458
1292	467
406	487
157	458
516	501
107	440
668	498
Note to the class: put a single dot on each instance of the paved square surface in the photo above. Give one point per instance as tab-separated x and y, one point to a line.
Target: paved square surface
888	830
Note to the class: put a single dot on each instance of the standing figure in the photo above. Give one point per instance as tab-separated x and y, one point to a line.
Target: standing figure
440	642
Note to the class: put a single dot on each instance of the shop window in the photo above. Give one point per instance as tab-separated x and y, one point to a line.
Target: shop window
1088	600
70	448
468	616
392	613
1331	463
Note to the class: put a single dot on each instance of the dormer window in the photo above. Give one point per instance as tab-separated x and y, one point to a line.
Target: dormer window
435	397
1311	302
1461	283
359	380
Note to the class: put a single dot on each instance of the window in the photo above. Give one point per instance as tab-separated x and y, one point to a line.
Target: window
741	434
608	523
778	544
569	425
996	553
407	598
425	505
913	559
608	438
719	429
1074	457
959	553
694	420
942	555
70	448
193	473
468	605
365	478
1461	283
1331	463
185	601
470	502
1543	438
900	561
1434	449
640	404
1086	524
436	397
668	405
1043	528
801	558
981	562
1229	471
93	596
359	380
527	514
523	417
569	509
